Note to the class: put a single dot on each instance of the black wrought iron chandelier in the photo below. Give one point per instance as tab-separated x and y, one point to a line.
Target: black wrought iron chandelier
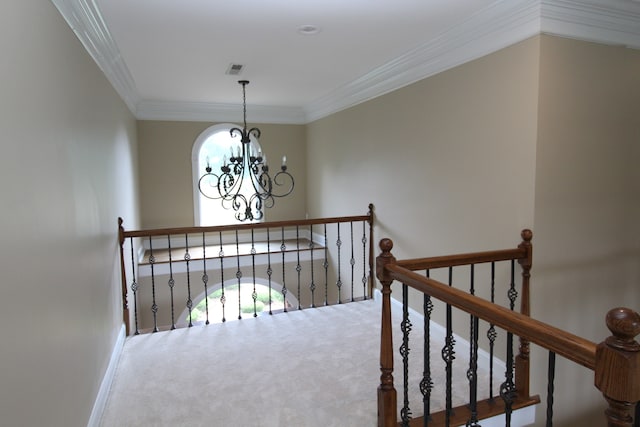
231	185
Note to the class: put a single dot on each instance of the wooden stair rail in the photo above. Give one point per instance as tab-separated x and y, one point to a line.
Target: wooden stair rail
616	361
124	234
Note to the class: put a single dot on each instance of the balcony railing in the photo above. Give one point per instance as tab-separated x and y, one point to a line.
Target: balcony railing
184	276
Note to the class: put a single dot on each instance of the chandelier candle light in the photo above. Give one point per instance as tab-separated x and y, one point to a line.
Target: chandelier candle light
244	183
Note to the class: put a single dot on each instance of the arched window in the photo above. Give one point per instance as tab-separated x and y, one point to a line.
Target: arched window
211	147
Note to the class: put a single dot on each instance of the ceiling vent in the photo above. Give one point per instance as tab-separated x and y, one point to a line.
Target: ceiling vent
234	69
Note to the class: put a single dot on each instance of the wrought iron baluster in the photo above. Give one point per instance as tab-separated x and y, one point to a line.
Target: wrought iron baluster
326	267
312	286
238	277
551	373
472	373
364	259
187	258
283	248
171	284
134	288
223	298
339	280
254	294
513	293
507	389
491	333
269	269
448	356
154	306
205	278
405	326
298	267
426	384
352	262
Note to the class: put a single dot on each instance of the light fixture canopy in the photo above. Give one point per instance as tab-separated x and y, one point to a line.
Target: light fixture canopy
244	183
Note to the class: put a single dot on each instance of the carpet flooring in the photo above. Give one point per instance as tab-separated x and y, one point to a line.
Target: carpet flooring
308	368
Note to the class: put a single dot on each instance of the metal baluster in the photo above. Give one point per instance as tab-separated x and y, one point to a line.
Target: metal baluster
298	267
448	356
339	281
507	389
239	277
353	263
154	306
491	333
187	258
513	293
312	286
326	268
134	288
364	259
472	373
269	269
405	326
171	283
283	248
223	298
551	373
205	279
426	384
254	294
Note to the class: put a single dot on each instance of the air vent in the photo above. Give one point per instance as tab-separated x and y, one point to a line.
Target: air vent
234	69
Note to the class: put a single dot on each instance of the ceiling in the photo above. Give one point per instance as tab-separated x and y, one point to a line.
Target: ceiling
168	59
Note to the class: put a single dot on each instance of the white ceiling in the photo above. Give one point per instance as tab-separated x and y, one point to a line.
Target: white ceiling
168	58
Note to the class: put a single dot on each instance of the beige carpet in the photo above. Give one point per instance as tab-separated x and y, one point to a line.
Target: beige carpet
308	368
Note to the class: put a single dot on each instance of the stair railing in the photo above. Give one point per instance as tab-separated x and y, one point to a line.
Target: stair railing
615	362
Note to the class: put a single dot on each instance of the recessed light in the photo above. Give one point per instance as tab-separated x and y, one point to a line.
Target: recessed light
308	30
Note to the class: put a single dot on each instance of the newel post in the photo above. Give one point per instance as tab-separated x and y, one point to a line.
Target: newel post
123	278
387	399
522	360
617	370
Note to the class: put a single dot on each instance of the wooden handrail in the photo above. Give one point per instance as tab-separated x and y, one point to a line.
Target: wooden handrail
462	259
240	227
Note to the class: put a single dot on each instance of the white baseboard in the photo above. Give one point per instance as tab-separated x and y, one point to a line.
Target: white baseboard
105	386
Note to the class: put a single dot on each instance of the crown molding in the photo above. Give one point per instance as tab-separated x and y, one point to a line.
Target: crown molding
609	22
215	112
503	23
84	18
500	25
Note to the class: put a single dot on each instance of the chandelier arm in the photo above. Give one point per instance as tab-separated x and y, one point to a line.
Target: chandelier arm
283	174
255	132
202	185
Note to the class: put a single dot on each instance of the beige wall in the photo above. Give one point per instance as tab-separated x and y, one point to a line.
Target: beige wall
543	134
448	162
587	249
68	171
166	184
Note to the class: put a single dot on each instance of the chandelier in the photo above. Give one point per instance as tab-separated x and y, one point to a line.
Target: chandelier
244	183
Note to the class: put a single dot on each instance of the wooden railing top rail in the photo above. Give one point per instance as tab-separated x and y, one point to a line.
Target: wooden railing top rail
240	227
463	259
522	253
563	343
